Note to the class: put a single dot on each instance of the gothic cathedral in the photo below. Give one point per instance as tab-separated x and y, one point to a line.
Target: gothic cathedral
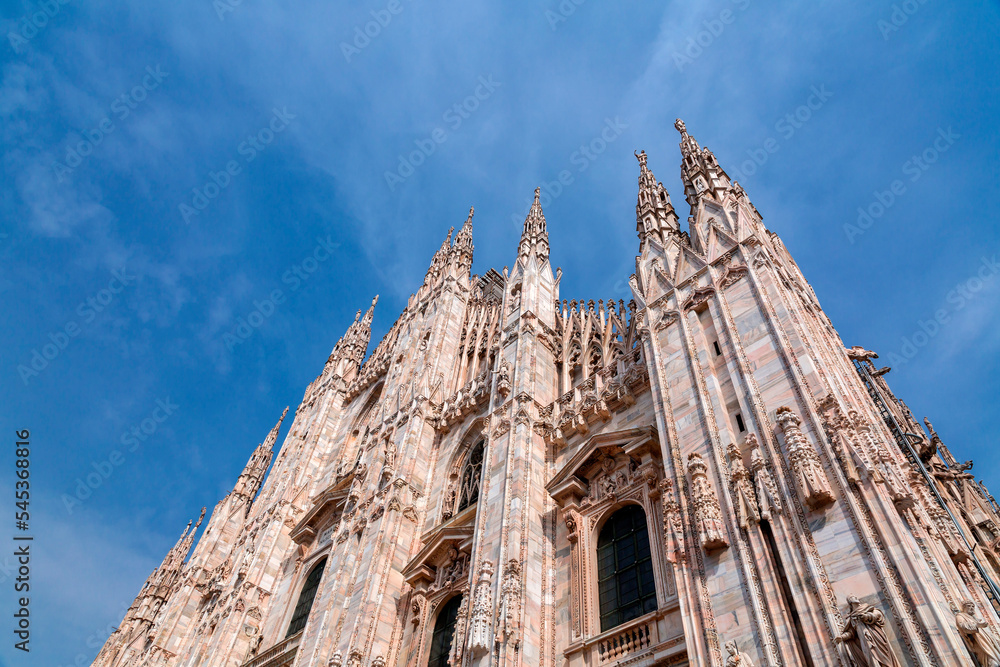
704	475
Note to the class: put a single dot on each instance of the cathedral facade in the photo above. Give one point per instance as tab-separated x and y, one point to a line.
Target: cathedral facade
704	475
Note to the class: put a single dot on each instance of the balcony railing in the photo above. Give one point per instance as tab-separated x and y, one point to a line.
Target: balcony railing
645	640
280	654
626	642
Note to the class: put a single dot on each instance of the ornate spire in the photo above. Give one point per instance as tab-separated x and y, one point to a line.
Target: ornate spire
175	558
534	237
461	253
350	350
253	473
700	171
367	321
654	213
463	239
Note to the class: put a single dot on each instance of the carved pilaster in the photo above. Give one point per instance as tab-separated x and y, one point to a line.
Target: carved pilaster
480	640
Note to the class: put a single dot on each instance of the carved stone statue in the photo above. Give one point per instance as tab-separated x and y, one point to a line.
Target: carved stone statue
736	657
708	514
860	353
864	636
747	512
767	492
809	474
979	638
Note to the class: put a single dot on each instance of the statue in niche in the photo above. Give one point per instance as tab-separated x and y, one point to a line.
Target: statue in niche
980	640
864	636
737	658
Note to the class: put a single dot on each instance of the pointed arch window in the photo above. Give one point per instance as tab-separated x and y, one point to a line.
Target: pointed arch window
444	632
471	474
306	598
625	584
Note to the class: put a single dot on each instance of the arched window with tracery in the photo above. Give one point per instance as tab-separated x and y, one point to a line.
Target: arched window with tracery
472	472
625	584
306	597
444	631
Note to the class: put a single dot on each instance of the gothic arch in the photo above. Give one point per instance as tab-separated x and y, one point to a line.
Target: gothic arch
359	431
474	436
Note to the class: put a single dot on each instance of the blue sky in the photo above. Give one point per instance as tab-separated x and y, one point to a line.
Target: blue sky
288	135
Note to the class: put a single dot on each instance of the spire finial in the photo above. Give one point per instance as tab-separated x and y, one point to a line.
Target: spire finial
369	316
272	437
472	211
641	157
680	126
534	234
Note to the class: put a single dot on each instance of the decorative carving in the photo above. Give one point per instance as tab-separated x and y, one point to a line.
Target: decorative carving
416	609
509	612
863	633
458	640
732	275
747	512
503	378
698	297
572	521
503	425
673	526
666	320
979	638
708	514
736	657
482	610
809	474
453	569
860	354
